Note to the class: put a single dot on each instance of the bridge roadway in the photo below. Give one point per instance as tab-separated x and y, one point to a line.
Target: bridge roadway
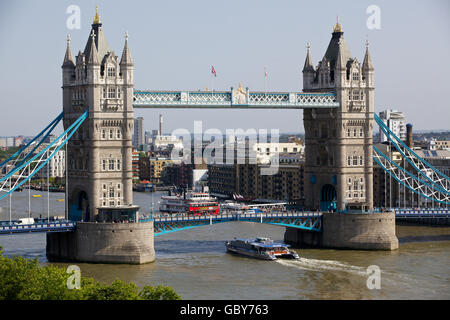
166	224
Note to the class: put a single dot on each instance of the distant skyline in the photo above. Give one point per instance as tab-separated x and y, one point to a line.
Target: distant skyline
174	44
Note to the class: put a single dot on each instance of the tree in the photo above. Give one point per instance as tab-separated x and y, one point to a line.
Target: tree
24	279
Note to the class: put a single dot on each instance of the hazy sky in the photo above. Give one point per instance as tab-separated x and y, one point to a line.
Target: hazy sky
174	44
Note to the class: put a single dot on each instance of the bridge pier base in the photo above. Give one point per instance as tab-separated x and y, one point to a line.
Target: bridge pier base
360	231
127	243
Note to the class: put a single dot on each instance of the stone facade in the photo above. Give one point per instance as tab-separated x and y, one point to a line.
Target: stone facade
100	152
338	142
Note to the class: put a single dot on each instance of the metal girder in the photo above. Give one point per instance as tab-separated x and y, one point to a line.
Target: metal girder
425	173
22	166
305	221
228	99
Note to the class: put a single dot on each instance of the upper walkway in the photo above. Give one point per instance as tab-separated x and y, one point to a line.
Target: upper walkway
235	99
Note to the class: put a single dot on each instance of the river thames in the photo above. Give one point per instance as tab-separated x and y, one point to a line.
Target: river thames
195	263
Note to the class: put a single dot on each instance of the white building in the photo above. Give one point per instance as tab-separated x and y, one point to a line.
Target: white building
164	141
395	121
267	151
56	165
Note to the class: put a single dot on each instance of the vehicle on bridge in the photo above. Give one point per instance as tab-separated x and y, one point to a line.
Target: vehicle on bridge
261	248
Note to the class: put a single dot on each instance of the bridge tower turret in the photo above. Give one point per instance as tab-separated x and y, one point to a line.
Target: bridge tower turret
100	163
338	168
99	154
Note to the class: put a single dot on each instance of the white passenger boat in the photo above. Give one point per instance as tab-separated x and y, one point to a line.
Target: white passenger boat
260	248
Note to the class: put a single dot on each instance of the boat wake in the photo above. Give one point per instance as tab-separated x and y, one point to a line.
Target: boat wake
322	265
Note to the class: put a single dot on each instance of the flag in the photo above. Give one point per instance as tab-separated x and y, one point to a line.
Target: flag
213	71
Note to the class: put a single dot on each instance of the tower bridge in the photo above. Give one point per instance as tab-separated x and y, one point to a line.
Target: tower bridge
98	103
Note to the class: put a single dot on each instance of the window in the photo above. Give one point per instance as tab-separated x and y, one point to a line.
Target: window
349	163
119	134
111	93
348	132
355	161
103	134
361	132
349	180
111	72
118	165
111	192
111	135
104	165
355	75
360	160
354	132
355	95
111	165
104	93
119	93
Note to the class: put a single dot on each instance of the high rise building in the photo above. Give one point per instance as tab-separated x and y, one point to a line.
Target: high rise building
139	134
395	120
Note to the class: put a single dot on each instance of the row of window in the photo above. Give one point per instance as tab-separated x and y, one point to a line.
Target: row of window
355	195
111	164
355	161
79	94
111	195
111	134
354	133
355	95
112	93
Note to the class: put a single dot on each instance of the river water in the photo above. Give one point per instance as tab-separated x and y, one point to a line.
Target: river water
195	264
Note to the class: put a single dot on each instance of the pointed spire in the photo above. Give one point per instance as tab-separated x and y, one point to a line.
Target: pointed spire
96	17
126	54
337	27
68	60
308	61
93	54
340	62
367	63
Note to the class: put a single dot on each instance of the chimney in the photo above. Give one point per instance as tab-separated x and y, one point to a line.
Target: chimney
409	135
160	124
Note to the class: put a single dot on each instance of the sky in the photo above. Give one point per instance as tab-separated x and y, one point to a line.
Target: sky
175	43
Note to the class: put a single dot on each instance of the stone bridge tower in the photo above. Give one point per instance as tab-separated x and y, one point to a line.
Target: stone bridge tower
99	162
338	169
99	159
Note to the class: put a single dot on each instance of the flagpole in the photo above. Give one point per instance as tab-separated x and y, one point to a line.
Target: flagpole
265	79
